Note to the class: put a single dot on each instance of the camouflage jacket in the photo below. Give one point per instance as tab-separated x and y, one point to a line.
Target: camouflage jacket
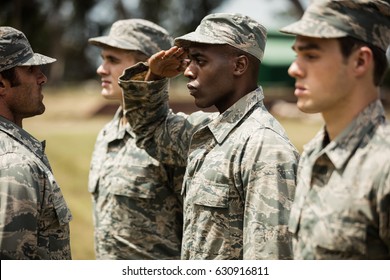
136	200
34	217
342	204
240	175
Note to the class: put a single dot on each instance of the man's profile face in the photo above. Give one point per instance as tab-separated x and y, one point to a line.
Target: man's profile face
25	98
114	62
210	74
323	76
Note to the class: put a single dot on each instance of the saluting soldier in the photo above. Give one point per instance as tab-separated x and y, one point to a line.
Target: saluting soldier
240	164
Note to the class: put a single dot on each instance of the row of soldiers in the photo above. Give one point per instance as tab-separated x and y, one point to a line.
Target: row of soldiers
224	185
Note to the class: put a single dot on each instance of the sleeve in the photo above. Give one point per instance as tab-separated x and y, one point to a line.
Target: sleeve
20	203
163	134
384	210
270	173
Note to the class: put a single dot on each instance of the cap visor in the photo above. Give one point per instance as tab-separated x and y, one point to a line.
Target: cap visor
315	29
105	41
38	59
195	37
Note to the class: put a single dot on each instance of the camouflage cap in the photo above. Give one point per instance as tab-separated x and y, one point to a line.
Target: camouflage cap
135	35
366	20
15	50
236	30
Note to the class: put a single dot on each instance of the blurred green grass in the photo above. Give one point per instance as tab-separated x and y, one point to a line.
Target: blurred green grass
70	127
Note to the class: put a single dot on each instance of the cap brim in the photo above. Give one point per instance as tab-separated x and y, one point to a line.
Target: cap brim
105	41
38	59
315	29
195	37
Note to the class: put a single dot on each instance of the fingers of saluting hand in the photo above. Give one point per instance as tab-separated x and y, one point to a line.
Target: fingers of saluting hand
171	54
174	53
168	63
183	65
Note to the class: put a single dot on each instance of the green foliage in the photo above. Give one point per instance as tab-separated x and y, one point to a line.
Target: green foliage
61	28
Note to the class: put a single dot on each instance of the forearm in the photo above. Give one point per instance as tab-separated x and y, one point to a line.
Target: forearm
147	110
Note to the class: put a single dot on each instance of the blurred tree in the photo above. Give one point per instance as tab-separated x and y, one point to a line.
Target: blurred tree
61	28
298	7
178	16
55	28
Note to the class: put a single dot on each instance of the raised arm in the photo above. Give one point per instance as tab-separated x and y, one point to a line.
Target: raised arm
162	133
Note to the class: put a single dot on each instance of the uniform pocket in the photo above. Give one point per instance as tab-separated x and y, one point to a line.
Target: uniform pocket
345	240
138	179
133	187
216	195
210	222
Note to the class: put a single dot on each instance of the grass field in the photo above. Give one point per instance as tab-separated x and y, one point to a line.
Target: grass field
70	129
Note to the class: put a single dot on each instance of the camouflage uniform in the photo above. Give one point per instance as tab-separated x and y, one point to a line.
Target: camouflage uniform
137	201
33	213
241	167
137	204
34	217
342	204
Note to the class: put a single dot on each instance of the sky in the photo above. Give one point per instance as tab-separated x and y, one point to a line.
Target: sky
263	11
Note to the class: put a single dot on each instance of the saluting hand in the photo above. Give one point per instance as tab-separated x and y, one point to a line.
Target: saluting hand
167	64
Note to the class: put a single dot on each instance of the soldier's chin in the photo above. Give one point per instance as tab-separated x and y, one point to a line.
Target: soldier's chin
201	104
106	94
37	112
306	109
41	109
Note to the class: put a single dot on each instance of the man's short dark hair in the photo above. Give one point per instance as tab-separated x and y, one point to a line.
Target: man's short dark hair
348	44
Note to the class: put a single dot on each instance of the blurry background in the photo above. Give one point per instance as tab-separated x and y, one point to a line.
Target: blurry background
75	111
61	28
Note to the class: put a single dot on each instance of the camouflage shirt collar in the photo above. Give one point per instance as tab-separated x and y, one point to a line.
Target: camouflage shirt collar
344	145
114	131
225	122
24	138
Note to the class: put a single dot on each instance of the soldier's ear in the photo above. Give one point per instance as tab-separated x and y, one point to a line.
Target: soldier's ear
364	60
241	64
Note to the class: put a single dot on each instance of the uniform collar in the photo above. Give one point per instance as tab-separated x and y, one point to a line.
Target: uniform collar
221	126
24	138
344	145
114	130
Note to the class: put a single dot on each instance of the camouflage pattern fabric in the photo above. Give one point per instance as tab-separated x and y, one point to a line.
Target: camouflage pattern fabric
136	35
236	30
137	201
342	203
34	217
366	20
240	175
15	50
